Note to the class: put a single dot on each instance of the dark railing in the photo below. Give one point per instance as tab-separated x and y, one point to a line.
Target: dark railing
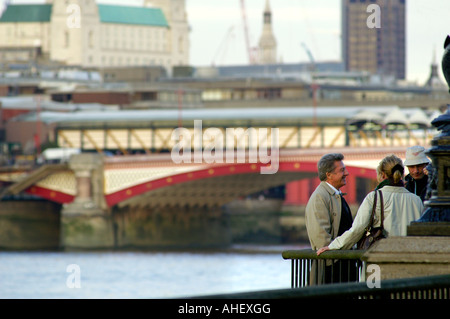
347	271
430	287
335	266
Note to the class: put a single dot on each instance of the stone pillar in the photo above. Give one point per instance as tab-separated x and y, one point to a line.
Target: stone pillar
86	222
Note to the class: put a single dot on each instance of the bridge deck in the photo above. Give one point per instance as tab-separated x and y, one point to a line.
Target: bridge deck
155	178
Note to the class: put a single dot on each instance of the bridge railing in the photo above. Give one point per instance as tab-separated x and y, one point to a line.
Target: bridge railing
338	266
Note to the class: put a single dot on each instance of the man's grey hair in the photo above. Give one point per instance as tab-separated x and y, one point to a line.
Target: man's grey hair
327	164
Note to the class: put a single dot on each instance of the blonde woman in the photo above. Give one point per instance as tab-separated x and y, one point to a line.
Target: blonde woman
400	206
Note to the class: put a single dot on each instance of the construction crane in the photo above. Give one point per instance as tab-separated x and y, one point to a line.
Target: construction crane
222	49
310	56
314	86
250	51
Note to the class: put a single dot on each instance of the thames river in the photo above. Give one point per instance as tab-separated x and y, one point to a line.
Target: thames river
74	275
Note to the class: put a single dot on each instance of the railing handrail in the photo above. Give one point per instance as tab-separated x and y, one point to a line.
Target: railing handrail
329	267
428	287
330	254
305	261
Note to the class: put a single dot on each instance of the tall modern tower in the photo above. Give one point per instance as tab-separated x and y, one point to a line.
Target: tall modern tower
374	36
267	48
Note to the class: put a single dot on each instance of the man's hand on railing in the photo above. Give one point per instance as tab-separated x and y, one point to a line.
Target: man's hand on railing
321	250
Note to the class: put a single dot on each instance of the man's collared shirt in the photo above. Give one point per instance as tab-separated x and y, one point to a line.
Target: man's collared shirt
336	191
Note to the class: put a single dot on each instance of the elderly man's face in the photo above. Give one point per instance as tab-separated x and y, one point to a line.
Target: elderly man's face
417	171
338	176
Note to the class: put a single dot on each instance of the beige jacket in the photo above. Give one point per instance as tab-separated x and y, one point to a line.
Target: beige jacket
401	207
322	216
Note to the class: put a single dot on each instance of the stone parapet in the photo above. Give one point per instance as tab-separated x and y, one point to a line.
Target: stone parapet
411	256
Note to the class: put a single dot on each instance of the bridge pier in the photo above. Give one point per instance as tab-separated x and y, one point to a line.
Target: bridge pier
86	223
171	227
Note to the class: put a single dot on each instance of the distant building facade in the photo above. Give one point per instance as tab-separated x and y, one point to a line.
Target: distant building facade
87	34
378	50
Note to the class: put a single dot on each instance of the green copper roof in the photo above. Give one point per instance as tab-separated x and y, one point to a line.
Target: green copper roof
132	15
27	13
108	14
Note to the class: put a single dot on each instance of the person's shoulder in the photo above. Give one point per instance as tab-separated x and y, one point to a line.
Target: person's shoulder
317	192
408	181
414	197
322	191
370	196
326	188
411	197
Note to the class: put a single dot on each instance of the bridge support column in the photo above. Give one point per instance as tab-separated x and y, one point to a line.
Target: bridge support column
297	192
85	223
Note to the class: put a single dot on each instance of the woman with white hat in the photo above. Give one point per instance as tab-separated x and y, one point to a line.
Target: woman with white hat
417	179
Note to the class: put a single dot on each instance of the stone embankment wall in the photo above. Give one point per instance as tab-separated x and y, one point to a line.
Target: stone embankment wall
29	225
39	225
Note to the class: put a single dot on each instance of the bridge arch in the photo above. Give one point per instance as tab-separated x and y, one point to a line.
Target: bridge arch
246	177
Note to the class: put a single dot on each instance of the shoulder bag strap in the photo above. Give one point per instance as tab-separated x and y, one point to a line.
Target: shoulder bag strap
382	208
374	208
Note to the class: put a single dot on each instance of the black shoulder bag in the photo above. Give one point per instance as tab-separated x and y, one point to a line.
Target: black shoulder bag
373	234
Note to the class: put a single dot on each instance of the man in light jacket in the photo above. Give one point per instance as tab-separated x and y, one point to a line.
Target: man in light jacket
327	213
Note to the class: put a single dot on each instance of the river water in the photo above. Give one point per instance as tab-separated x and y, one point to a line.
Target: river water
73	275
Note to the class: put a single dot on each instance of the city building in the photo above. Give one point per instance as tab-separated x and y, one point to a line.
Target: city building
374	36
87	34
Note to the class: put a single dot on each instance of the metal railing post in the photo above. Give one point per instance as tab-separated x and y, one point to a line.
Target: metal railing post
309	269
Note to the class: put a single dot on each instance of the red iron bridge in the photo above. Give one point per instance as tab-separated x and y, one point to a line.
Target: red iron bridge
155	180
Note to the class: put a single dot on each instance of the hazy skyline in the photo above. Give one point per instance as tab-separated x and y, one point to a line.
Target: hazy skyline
217	35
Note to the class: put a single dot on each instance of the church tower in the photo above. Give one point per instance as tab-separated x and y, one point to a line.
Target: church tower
434	82
267	50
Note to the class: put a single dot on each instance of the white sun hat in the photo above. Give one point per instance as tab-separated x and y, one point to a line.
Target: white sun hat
415	155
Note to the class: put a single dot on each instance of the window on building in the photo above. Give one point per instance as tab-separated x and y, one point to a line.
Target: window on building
91	39
269	93
180	44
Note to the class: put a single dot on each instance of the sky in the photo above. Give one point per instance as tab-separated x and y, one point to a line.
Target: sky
217	32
